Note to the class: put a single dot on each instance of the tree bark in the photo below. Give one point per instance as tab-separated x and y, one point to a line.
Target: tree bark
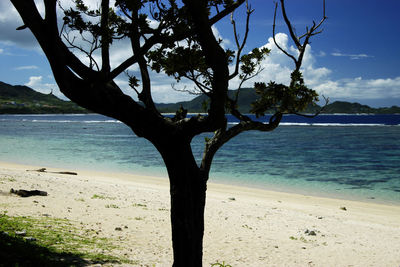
188	198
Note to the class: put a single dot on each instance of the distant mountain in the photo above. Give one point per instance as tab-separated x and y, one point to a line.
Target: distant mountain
248	96
356	108
20	99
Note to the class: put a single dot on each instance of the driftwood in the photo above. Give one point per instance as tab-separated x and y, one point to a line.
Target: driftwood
28	193
44	170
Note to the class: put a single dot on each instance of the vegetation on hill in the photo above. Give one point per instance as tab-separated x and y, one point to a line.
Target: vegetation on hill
353	108
248	96
20	99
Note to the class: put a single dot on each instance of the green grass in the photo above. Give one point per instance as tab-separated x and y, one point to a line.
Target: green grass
219	264
111	206
139	205
95	196
248	227
9	179
59	242
163	209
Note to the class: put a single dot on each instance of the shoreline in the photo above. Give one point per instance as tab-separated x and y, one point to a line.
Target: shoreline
216	182
243	226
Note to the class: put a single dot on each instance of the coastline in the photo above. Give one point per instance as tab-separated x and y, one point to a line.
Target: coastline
243	226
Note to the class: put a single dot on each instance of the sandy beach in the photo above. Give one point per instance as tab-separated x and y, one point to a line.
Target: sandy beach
243	226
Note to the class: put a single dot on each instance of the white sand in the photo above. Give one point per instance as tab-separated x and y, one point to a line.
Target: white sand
258	228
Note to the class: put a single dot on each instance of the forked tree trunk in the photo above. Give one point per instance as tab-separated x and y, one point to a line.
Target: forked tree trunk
188	196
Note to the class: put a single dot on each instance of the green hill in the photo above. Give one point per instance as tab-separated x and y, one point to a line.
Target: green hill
340	106
18	99
248	96
356	108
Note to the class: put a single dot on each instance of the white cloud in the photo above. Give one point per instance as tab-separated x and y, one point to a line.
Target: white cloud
31	67
351	56
225	43
36	83
358	88
277	67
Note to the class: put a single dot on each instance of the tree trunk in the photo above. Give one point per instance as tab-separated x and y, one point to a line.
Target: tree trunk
188	196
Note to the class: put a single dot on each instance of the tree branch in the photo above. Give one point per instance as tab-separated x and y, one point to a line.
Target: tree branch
225	12
223	136
276	43
145	95
289	25
215	58
312	115
238	45
301	47
105	37
93	47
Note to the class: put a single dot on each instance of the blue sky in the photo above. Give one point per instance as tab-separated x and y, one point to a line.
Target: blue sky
356	58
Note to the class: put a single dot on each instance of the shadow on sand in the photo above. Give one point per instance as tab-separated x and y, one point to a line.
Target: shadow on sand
15	251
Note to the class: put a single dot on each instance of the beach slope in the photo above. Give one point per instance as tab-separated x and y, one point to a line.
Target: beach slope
243	227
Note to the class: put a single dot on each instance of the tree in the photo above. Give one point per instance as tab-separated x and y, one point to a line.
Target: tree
174	38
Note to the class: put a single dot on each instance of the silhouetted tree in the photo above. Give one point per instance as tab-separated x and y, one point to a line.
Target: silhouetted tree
175	38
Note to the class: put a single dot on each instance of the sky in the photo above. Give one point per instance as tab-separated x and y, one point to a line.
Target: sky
356	58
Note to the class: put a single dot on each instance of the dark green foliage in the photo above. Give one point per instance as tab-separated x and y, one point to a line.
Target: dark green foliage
179	62
133	81
284	99
75	19
180	114
251	61
204	105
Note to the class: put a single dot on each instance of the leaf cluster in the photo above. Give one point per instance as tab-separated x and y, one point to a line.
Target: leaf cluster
83	19
251	61
180	61
184	57
282	98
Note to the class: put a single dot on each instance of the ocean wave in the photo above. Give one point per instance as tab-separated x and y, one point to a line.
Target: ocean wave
349	124
47	115
105	121
74	121
329	124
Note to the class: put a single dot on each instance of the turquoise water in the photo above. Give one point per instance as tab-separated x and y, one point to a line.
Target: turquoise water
352	157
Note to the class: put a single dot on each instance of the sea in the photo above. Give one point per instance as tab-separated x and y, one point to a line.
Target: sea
342	156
